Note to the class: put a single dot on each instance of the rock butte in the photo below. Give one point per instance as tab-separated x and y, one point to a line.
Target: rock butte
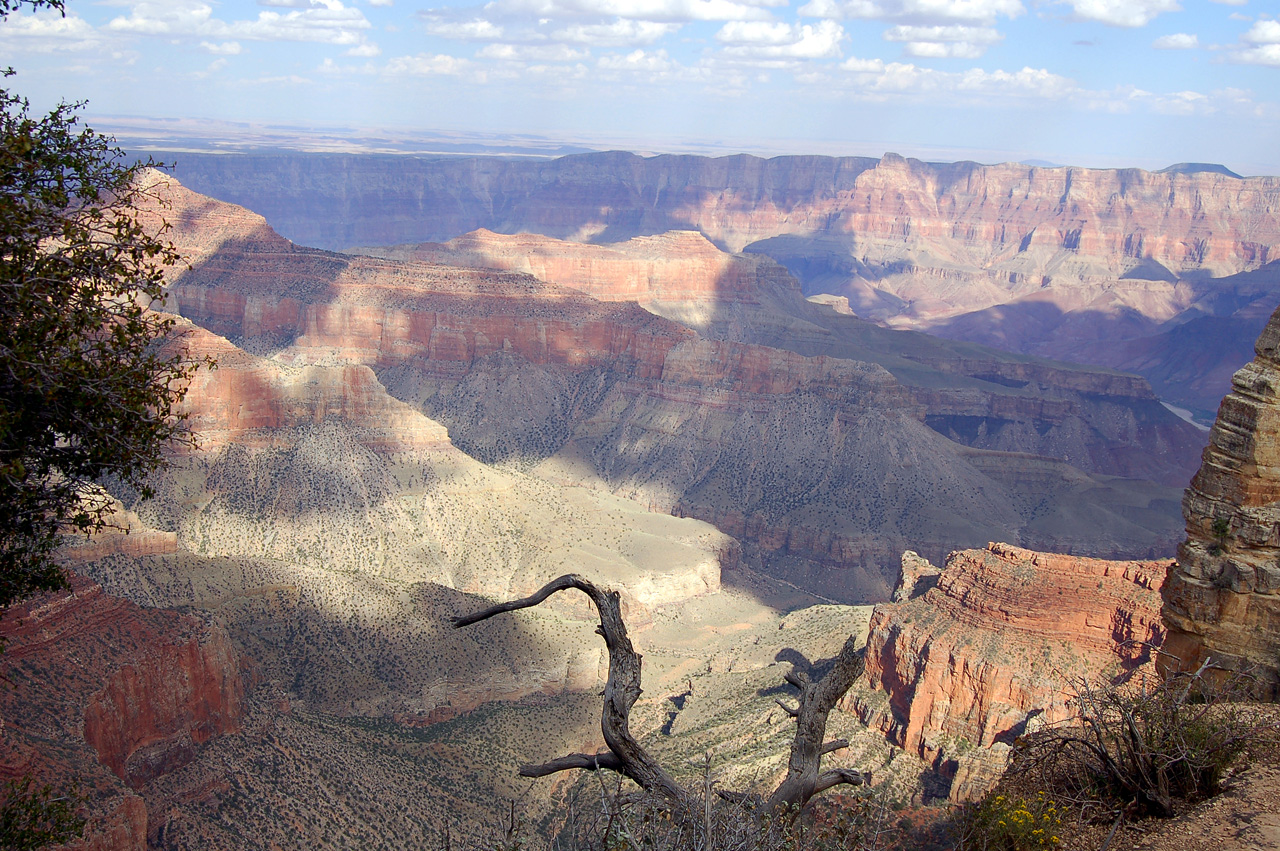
1050	261
1222	600
609	395
977	653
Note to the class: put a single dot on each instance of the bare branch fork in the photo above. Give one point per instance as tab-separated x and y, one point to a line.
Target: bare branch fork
625	755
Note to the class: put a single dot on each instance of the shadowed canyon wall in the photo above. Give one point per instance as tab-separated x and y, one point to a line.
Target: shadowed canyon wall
1049	261
827	466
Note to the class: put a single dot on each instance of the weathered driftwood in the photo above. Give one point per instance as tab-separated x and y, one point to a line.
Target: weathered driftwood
625	755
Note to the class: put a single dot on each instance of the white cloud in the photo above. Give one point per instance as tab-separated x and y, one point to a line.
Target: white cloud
1176	41
637	60
368	48
763	40
381	2
1263	32
1259	46
321	21
620	33
424	65
214	67
1230	2
1122	13
924	12
642	10
284	79
1262	54
46	32
1180	103
944	50
944	42
876	77
226	48
533	53
475	29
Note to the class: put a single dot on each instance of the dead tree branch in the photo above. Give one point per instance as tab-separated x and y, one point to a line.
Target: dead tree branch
620	693
803	780
625	755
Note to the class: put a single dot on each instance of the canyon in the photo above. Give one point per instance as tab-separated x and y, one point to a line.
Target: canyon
541	380
1120	267
827	464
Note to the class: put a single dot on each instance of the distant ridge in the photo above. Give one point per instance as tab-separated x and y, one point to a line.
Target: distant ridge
1196	168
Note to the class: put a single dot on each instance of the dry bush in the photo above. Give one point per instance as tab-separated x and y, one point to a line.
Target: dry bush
644	822
1144	745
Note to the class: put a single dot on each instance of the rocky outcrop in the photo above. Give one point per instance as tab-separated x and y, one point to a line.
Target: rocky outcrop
679	266
917	577
111	696
994	647
1222	601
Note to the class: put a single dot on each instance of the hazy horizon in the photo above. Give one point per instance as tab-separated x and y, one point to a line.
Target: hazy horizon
1098	83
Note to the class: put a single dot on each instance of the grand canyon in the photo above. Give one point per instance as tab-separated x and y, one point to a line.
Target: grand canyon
951	409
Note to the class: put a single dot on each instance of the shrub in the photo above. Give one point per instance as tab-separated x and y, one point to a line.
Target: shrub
1003	823
1148	743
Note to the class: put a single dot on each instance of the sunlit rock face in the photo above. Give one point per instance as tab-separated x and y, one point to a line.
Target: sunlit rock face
827	456
960	668
1157	273
1222	601
676	266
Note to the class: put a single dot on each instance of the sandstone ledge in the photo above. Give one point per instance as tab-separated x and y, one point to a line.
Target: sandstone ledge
993	648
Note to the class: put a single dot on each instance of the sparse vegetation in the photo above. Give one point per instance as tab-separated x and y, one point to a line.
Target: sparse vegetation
1003	823
34	817
1142	747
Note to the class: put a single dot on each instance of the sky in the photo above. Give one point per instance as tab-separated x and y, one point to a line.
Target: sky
1100	83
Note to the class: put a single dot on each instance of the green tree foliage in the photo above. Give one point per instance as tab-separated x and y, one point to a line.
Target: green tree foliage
34	817
89	373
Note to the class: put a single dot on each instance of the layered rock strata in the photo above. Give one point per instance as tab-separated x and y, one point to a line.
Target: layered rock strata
1102	266
1099	420
966	665
1222	600
609	395
1197	220
110	696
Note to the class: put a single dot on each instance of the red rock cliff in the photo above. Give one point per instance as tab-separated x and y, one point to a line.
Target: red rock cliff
1222	600
994	644
110	695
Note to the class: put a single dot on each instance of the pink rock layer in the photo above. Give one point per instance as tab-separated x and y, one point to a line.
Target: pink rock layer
997	643
673	266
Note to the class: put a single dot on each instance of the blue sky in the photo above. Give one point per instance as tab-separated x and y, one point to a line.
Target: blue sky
1086	82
